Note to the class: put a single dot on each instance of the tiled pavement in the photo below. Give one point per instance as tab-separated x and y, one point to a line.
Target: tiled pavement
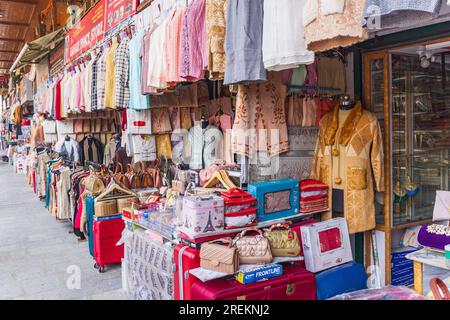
39	258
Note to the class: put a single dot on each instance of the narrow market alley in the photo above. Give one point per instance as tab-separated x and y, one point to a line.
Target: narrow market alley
39	257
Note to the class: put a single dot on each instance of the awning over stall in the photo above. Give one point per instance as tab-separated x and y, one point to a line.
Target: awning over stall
34	51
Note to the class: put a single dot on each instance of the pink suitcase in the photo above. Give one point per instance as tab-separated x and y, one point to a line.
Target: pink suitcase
295	284
186	258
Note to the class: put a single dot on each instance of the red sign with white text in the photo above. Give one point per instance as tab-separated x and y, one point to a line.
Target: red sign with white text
86	33
117	11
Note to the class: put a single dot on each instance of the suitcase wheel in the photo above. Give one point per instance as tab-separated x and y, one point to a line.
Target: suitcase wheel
96	266
101	269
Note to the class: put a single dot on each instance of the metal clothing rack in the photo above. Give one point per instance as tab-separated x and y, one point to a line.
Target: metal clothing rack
316	88
110	34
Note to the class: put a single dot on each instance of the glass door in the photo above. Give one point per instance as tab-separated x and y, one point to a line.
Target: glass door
420	133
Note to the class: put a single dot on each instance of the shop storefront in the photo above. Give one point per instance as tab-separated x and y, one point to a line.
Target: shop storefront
194	145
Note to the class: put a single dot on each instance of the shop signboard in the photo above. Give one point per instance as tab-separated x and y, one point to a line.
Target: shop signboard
117	11
86	33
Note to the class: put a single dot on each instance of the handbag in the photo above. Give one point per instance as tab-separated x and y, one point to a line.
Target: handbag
439	289
156	174
133	177
94	184
220	258
120	177
441	209
283	242
146	178
253	249
177	184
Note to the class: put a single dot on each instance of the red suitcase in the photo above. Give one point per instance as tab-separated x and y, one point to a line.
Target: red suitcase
295	284
186	258
107	232
296	227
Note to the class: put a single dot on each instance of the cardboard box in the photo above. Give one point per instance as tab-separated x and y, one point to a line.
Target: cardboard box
326	244
260	273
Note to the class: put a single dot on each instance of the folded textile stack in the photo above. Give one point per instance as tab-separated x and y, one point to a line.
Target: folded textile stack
313	196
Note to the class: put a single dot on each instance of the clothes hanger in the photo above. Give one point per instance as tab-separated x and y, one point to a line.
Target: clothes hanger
220	176
111	189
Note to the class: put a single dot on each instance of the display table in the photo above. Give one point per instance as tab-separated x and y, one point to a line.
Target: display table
422	258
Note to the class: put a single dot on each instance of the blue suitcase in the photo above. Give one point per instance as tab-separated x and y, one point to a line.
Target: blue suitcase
90	223
342	279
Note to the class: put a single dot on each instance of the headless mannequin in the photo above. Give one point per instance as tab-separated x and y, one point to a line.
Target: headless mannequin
339	174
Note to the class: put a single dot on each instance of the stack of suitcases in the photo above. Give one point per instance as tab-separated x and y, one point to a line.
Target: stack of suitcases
313	196
296	283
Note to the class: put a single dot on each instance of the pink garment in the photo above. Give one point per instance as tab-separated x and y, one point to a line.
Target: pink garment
172	47
79	212
193	57
311	76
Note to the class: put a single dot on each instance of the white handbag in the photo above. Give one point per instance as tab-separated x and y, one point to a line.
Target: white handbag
441	210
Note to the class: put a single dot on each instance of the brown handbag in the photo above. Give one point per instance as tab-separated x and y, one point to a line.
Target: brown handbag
120	177
220	258
156	174
133	177
146	178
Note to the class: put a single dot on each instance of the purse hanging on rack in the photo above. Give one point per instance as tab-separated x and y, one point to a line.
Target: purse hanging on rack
146	177
155	171
120	177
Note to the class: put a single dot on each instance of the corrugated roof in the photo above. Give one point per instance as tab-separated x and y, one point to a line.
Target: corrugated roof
35	51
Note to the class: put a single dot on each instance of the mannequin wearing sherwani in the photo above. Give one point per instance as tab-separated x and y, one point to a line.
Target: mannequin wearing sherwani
352	140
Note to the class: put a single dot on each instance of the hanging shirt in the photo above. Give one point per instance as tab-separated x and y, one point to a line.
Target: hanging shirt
172	46
91	150
68	149
400	14
110	88
206	146
333	24
141	147
215	31
139	122
137	99
193	60
88	86
283	38
101	81
94	79
122	63
243	42
156	76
